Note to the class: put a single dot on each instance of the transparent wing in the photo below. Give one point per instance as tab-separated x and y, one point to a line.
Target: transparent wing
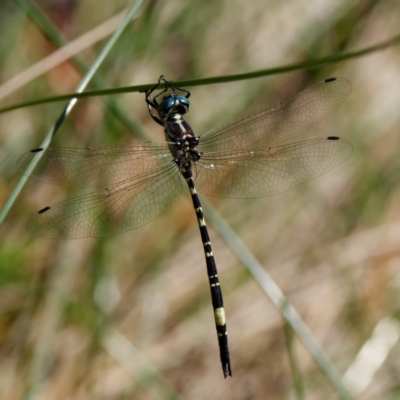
94	167
253	174
127	205
285	120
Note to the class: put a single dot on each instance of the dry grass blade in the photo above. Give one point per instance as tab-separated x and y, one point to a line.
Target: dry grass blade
59	56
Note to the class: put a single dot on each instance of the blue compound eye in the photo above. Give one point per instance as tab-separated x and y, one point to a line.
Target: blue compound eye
173	105
166	104
183	100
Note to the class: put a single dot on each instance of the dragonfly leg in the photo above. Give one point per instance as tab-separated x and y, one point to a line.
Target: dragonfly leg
152	101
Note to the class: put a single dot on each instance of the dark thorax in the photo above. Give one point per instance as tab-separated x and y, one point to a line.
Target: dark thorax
182	139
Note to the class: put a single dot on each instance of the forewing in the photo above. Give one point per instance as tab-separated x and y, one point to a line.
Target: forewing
285	120
253	174
124	206
93	167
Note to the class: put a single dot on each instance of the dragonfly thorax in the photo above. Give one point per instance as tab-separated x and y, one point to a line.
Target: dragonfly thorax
183	141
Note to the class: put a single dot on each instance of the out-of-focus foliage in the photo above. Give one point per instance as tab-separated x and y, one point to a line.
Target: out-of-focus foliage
332	244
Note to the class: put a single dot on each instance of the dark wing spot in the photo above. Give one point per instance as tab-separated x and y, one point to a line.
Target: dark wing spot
330	80
43	210
333	138
37	150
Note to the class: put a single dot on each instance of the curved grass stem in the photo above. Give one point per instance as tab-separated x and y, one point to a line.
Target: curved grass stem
309	64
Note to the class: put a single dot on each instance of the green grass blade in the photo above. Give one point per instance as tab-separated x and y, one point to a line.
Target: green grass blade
305	65
294	363
108	46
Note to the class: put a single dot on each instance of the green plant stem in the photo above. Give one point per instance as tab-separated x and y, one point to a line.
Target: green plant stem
309	64
294	364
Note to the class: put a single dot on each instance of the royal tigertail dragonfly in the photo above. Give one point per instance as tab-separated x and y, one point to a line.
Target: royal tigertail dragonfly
248	157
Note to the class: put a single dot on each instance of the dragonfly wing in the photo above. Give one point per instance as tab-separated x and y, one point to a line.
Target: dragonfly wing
285	120
253	174
124	206
93	167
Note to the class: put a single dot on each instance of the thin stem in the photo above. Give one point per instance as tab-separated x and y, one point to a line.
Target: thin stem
309	64
294	363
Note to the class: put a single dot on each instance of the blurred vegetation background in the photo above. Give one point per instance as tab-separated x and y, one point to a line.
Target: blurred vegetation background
76	317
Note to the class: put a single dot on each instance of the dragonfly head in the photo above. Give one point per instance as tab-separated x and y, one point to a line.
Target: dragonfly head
173	104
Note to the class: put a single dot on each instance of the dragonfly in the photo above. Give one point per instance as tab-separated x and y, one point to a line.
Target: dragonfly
248	157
